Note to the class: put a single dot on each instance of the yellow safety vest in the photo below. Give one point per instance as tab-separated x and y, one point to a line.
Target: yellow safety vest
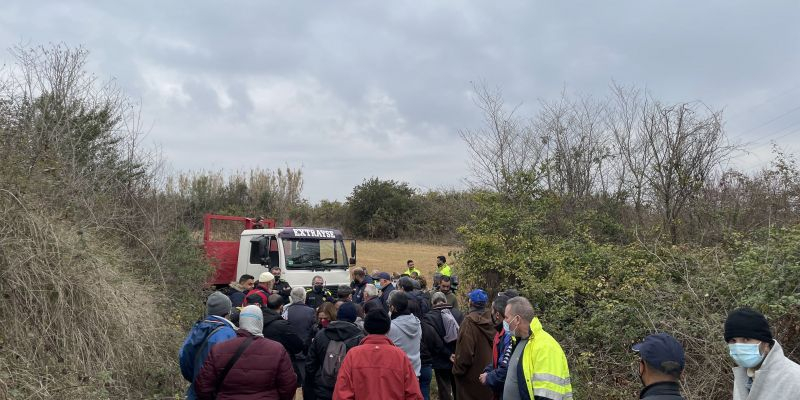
410	270
544	365
445	270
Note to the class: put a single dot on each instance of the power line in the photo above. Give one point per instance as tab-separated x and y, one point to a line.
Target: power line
768	100
793	110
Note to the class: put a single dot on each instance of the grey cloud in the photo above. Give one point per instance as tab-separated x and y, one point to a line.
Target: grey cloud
317	64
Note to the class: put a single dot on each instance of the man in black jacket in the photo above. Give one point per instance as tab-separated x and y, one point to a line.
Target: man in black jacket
281	287
343	330
318	294
430	346
358	285
302	319
278	329
420	308
237	291
371	299
386	288
440	360
660	366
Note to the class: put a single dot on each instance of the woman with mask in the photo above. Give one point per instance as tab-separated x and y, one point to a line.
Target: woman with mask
325	314
762	371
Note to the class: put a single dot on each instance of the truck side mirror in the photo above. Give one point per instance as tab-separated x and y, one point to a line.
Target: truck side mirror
352	252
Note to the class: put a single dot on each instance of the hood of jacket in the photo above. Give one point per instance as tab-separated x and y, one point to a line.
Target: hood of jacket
407	324
342	331
483	320
236	286
270	316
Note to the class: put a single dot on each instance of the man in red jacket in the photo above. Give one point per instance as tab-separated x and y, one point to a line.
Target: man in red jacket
377	369
263	370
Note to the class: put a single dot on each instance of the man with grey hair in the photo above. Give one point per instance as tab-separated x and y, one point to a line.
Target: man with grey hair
301	319
538	367
371	299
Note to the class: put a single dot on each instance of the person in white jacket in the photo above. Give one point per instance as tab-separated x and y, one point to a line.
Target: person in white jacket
763	372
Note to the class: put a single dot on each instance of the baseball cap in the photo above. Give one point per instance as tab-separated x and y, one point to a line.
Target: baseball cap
383	275
662	352
478	296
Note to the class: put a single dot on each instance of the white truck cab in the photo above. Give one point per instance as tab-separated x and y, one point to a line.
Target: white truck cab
301	253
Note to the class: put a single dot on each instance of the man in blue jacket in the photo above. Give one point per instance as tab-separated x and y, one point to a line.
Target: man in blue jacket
206	333
494	375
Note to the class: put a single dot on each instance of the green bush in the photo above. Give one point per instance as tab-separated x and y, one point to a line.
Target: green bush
599	298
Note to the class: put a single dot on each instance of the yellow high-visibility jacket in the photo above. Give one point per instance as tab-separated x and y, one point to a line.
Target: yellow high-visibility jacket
543	366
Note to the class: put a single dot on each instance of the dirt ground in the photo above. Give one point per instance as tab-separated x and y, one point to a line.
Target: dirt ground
392	256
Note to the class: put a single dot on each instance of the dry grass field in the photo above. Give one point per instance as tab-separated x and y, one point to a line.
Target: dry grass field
392	256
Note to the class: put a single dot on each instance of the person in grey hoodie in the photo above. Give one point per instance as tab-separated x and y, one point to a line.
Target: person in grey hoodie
406	331
763	371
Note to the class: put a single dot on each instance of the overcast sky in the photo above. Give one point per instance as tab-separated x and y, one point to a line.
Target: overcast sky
349	90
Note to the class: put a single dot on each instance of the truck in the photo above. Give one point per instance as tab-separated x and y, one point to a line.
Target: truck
301	252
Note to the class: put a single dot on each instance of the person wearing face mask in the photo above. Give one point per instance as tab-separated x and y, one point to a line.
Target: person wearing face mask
318	294
537	369
762	371
386	287
326	313
661	363
280	287
494	375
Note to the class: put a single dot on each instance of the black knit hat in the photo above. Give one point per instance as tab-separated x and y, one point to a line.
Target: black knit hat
747	323
377	322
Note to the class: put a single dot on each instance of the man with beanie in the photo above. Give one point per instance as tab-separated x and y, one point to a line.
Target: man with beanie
376	369
205	334
259	368
260	293
474	348
762	371
661	362
335	340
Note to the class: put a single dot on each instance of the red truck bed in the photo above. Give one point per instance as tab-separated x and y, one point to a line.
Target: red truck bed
223	254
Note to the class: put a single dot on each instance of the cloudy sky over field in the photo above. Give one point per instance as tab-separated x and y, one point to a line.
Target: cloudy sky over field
348	90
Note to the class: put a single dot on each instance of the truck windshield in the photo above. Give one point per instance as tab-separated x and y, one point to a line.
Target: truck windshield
314	253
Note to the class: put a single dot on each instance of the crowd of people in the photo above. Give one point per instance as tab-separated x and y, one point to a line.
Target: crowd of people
387	336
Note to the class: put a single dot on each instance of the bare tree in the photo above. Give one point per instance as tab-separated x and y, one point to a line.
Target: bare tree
576	141
686	143
502	147
632	160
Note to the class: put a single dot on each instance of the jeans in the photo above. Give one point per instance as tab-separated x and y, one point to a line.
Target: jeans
425	376
445	383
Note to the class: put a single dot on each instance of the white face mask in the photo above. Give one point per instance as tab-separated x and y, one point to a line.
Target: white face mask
746	355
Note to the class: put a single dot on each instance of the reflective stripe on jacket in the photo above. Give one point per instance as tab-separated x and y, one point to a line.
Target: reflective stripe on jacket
544	366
